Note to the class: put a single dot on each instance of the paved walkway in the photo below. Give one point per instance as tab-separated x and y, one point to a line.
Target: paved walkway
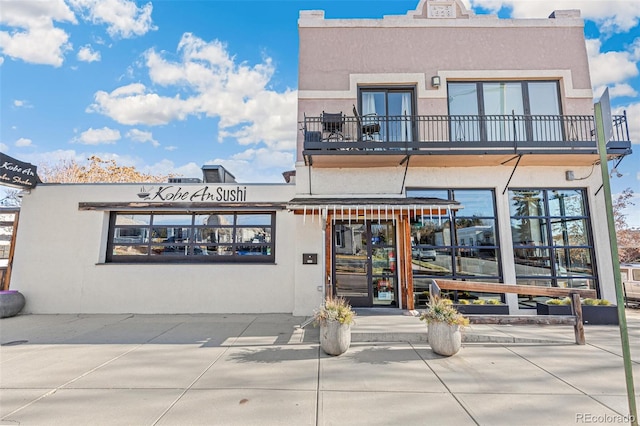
262	370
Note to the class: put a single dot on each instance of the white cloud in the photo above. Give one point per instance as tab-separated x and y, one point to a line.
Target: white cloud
22	142
131	105
623	89
30	14
98	136
4	147
141	136
218	86
609	68
610	15
21	103
122	17
38	45
87	54
264	158
171	148
1	60
33	37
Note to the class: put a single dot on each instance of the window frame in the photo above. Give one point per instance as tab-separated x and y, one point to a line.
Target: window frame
456	247
385	121
191	245
549	218
528	126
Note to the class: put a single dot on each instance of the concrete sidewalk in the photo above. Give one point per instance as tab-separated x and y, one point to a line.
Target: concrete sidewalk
262	370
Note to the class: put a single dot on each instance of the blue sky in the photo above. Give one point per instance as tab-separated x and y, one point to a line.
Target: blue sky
167	86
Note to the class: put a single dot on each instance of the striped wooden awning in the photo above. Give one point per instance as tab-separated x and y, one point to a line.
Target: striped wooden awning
373	208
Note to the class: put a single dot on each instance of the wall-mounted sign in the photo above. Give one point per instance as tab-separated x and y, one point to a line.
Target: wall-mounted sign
17	174
193	194
309	258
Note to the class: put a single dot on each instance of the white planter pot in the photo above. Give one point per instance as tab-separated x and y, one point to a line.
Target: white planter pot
444	339
335	338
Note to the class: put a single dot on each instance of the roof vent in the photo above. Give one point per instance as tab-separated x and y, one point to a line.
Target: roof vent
214	173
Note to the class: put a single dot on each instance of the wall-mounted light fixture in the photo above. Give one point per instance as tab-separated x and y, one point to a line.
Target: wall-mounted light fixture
435	81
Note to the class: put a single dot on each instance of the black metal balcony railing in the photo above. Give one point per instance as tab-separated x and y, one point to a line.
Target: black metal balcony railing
461	134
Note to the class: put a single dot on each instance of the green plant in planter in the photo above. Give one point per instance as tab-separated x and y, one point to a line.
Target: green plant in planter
565	301
478	302
335	309
464	302
493	302
595	302
442	310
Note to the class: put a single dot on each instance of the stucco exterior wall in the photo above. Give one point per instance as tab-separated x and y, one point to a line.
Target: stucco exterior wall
387	182
337	56
309	279
325	62
60	250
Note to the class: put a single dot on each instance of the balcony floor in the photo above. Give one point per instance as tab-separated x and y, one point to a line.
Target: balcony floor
357	160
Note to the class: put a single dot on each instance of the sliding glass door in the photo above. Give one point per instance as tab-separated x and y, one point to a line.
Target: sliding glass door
394	108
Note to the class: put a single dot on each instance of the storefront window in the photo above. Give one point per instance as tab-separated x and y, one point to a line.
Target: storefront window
198	237
552	238
463	245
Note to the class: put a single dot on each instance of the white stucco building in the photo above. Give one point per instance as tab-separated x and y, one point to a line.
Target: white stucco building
470	138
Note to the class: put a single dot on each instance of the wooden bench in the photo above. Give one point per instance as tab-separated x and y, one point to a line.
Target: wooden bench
576	308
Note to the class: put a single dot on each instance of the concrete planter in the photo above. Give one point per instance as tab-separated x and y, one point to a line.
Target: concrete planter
444	339
335	338
11	302
472	309
594	315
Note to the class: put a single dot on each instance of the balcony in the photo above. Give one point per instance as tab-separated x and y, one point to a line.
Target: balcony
335	140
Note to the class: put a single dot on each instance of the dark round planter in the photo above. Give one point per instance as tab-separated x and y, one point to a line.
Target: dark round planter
11	302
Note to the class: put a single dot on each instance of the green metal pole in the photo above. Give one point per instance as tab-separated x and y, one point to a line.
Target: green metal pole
624	334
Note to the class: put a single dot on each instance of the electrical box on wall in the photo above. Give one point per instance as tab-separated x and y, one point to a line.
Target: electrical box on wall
310	258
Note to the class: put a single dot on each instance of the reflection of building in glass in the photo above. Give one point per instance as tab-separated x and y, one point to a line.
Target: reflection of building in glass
349	239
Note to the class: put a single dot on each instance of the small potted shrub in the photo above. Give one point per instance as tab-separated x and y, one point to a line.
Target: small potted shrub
335	317
444	324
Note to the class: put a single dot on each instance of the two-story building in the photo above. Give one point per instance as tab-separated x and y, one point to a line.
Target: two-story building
495	116
437	144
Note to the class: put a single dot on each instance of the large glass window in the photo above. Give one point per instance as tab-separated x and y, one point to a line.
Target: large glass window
552	238
394	107
463	245
510	111
191	237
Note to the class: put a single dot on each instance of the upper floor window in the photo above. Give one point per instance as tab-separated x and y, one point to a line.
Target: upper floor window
191	237
394	108
507	108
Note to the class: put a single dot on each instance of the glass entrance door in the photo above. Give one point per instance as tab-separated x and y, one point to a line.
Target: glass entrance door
364	263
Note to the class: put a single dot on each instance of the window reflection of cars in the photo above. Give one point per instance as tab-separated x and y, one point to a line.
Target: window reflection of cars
571	280
421	253
631	281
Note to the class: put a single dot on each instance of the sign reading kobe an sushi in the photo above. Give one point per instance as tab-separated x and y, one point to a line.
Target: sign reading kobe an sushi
203	193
